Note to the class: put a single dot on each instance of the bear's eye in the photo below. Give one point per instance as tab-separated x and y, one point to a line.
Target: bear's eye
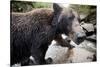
71	17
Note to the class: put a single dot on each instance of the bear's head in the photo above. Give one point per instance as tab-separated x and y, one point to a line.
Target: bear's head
66	21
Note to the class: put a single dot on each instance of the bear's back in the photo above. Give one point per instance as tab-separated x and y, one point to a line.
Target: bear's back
36	14
20	21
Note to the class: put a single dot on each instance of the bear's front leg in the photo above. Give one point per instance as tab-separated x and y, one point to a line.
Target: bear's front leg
39	54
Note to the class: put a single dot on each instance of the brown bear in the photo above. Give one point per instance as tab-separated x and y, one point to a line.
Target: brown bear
32	32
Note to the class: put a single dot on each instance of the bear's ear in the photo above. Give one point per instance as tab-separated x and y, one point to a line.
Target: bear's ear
56	7
57	14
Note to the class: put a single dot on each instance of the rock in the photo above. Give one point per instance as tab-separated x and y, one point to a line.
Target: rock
82	55
88	45
90	18
82	16
88	26
91	38
64	55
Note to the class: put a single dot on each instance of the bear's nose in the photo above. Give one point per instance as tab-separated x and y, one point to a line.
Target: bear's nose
81	36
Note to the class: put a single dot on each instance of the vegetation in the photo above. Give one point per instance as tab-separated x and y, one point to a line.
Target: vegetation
84	9
24	6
